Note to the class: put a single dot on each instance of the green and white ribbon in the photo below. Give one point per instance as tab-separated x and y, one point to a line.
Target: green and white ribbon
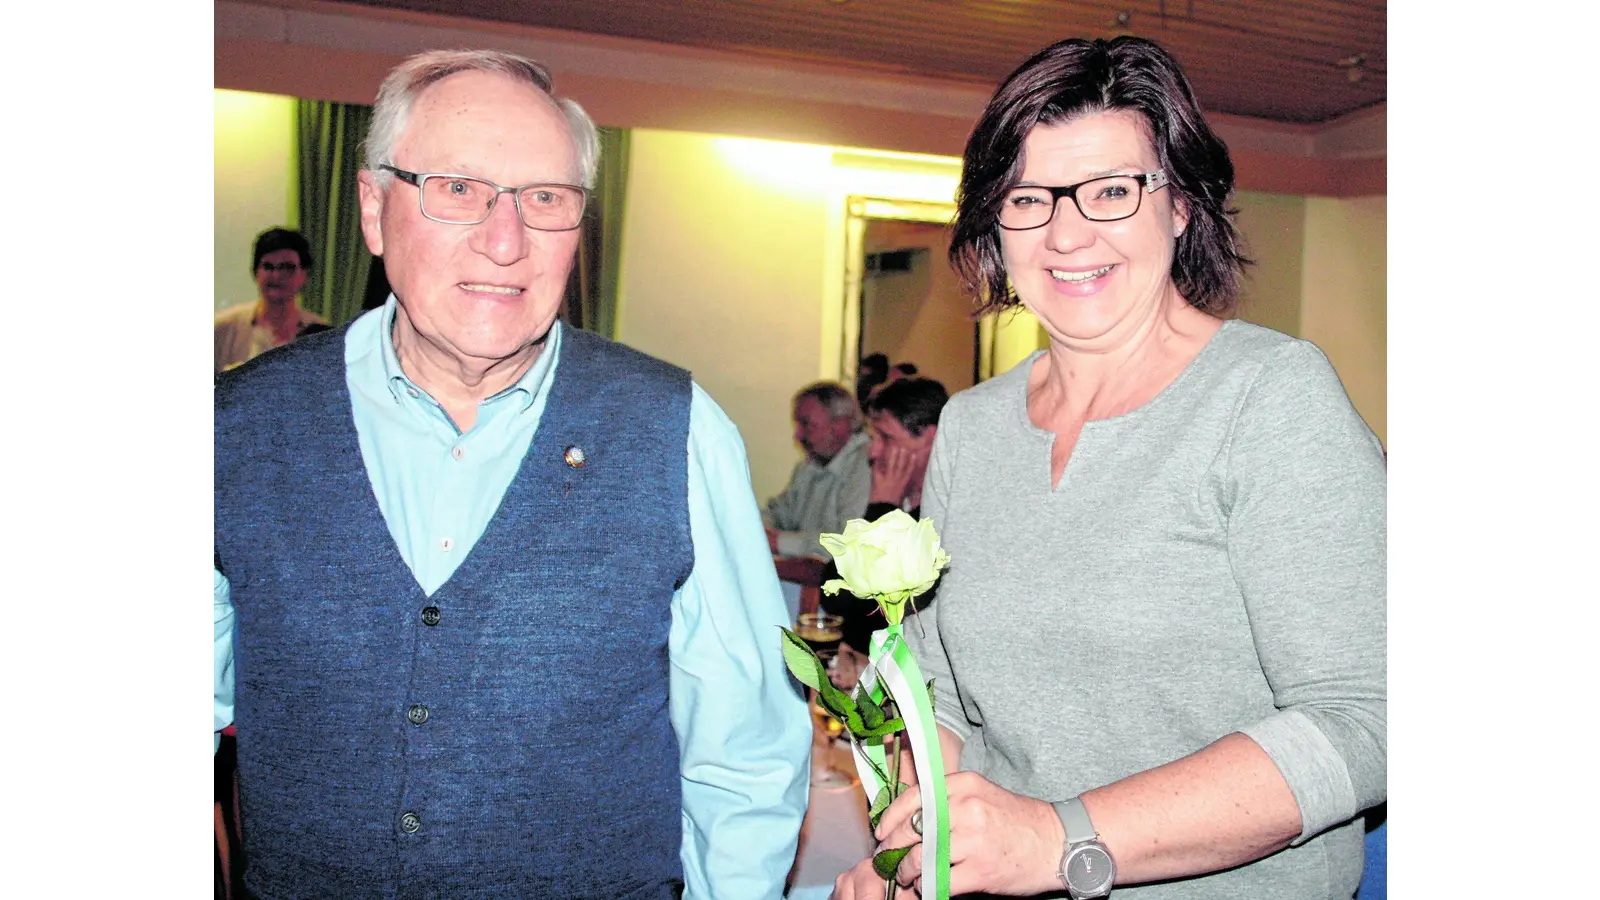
894	673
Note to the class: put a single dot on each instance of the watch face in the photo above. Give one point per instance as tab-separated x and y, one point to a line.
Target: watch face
1089	870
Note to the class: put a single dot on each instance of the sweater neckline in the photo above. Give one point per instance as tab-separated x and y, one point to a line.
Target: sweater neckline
1163	397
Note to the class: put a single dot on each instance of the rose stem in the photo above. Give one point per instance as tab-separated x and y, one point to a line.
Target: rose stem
894	791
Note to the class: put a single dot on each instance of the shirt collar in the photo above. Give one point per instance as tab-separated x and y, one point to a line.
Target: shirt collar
838	462
526	388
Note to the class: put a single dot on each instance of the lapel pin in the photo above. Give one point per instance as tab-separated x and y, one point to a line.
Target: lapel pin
575	457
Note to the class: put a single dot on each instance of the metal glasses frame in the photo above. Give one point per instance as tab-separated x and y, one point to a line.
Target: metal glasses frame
415	179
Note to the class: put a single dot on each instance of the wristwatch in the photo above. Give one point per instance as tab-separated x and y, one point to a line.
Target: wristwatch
1087	869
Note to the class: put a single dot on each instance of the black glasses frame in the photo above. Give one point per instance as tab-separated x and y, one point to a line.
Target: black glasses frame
416	179
1150	181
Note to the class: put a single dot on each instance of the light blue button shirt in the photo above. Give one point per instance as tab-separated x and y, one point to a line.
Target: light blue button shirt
743	732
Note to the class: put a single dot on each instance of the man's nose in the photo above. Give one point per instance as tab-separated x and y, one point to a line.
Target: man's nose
502	237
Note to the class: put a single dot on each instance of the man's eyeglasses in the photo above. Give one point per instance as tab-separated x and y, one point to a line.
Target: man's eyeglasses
464	200
1104	199
286	268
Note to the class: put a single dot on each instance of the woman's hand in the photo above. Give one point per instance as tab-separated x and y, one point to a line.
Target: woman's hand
859	883
891	475
1000	842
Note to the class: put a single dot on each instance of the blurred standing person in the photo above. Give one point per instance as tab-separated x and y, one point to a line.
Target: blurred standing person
874	370
902	370
829	486
1159	650
281	260
503	623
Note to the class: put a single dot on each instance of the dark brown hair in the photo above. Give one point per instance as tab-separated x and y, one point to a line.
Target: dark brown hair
915	402
274	239
1077	77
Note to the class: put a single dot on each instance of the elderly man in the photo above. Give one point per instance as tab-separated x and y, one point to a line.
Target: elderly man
281	259
829	487
494	614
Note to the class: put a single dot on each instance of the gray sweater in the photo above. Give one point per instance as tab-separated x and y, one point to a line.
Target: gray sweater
1211	562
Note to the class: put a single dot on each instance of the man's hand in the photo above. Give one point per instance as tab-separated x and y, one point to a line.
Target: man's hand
1000	842
891	475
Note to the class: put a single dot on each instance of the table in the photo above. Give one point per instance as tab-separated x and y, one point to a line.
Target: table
835	834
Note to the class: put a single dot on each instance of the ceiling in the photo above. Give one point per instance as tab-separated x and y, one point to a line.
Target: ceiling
1293	61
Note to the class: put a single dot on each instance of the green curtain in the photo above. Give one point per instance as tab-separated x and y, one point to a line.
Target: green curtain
591	302
329	137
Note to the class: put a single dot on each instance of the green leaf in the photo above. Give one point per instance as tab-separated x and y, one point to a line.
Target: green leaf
930	695
881	803
889	727
802	661
841	707
885	797
871	713
886	862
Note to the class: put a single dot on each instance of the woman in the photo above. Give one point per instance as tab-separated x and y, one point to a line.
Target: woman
1163	620
282	261
903	418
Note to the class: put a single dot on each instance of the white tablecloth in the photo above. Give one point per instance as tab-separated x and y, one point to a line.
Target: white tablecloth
835	835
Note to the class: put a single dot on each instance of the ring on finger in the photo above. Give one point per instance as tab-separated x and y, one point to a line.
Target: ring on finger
916	822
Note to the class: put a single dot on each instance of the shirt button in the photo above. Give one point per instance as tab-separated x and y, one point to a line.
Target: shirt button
430	615
410	824
417	714
412	391
445	544
457	452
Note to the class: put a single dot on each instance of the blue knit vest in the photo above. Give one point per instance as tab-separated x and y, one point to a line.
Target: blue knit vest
517	746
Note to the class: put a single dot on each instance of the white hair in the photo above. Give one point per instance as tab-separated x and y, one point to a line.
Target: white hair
400	89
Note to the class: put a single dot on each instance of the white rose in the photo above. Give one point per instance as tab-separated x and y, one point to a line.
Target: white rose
891	560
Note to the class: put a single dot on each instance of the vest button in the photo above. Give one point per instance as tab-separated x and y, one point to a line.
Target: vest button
430	615
410	824
417	714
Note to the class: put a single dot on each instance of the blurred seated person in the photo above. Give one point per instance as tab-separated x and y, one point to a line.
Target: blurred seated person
903	418
281	261
874	371
829	487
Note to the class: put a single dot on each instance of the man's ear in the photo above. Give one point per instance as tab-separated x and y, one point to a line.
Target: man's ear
925	439
372	198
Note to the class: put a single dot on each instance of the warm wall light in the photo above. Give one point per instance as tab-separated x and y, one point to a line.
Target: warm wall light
778	162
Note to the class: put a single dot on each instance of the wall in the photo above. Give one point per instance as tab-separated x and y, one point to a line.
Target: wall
1273	227
254	146
1346	301
922	315
722	271
733	267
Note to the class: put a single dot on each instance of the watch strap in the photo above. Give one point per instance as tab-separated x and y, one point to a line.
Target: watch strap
1075	821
